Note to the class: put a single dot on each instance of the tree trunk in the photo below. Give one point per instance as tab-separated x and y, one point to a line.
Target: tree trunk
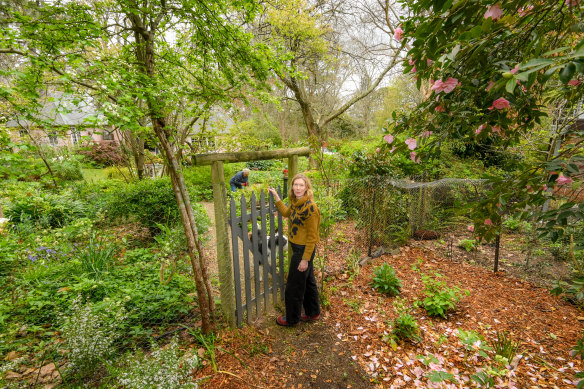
145	55
202	282
139	157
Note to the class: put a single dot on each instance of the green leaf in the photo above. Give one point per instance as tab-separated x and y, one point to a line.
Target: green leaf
510	86
440	376
437	5
555	51
536	62
447	5
567	72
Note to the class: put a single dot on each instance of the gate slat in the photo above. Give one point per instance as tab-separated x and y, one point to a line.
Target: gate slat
265	260
235	234
246	248
273	251
256	254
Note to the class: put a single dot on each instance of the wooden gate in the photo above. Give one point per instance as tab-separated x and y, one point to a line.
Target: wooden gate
258	272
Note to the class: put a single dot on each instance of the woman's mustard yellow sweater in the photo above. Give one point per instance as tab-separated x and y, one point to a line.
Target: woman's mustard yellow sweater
303	224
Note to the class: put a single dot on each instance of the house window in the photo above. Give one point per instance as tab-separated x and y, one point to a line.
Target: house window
75	135
108	135
205	142
53	138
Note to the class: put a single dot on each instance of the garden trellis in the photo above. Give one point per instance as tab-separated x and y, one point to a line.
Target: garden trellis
388	210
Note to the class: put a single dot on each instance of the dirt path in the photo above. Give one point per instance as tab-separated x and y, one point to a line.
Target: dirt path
266	355
211	239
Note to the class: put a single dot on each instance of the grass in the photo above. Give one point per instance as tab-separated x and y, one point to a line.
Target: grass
95	175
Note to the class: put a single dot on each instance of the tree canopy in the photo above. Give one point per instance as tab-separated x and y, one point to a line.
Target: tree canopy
497	72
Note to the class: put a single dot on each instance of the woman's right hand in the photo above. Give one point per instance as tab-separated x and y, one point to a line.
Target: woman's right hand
273	192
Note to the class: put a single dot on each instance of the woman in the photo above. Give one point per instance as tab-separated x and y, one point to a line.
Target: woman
304	221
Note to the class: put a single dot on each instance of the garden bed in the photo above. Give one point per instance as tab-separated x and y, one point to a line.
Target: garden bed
347	348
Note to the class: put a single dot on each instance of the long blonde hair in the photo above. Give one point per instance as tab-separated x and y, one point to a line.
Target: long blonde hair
309	191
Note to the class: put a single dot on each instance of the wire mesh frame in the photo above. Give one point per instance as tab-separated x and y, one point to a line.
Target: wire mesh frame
253	297
386	208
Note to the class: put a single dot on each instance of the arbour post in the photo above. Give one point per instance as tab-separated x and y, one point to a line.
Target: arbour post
292	166
224	262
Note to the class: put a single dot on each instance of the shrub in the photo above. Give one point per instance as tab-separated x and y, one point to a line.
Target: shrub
164	368
19	167
46	209
103	154
385	280
67	170
90	335
151	202
513	224
469	244
404	326
260	165
440	299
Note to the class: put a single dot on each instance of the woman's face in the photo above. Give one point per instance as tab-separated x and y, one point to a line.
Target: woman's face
299	187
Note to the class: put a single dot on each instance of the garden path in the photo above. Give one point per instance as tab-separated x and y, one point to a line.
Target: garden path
210	239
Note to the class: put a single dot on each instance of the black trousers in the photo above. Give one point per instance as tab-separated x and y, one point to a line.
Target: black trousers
301	289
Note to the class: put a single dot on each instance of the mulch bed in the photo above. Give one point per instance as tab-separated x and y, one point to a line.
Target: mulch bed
346	348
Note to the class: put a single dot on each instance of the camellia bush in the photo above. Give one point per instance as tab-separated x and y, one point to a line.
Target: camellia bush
500	73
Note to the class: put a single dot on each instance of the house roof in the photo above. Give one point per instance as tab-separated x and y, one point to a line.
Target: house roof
61	109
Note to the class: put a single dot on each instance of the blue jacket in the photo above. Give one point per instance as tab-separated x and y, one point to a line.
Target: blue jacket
238	179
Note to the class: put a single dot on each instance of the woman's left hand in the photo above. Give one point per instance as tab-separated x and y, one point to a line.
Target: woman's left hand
303	265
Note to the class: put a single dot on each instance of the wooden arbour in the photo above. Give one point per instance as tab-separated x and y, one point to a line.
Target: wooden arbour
224	259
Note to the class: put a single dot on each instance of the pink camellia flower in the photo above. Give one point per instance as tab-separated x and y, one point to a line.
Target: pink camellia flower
495	12
470	228
500	103
412	62
496	129
426	134
488	222
413	156
439	108
414	70
411	142
563	180
574	82
515	69
491	85
388	138
445	86
398	34
429	62
377	150
481	128
392	150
